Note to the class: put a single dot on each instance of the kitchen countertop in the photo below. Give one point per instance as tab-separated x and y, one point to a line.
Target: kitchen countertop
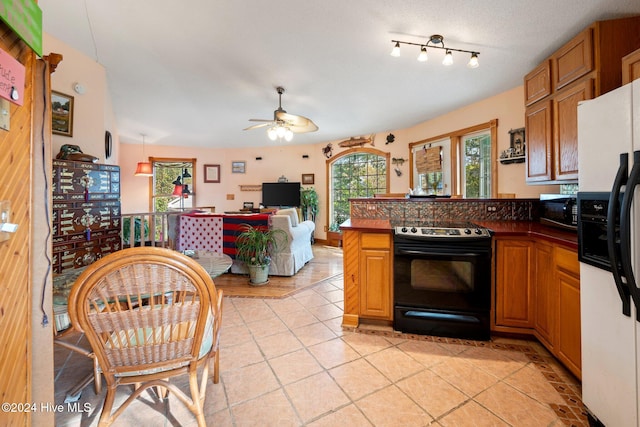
499	228
531	229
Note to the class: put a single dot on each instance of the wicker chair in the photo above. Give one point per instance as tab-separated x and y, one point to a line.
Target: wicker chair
149	314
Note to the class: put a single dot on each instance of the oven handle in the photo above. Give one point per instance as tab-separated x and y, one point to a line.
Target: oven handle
430	253
614	248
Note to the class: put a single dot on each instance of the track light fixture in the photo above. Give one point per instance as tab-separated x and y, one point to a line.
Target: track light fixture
436	41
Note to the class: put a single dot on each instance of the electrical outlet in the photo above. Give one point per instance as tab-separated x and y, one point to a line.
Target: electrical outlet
371	207
491	208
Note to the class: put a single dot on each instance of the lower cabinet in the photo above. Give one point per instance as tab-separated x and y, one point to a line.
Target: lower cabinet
368	261
568	342
538	292
514	294
546	294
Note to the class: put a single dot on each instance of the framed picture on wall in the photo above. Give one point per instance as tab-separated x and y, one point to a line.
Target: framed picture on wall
237	167
308	178
211	173
61	113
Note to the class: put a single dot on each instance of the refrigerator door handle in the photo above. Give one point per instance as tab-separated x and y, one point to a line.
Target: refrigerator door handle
613	213
625	231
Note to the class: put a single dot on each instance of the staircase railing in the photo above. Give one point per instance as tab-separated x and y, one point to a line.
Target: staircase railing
146	229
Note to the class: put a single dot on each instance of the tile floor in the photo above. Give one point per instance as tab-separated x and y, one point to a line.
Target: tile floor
288	362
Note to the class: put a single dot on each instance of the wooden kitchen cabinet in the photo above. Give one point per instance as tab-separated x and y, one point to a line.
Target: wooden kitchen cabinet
514	292
568	342
538	123
573	60
631	67
546	294
375	276
367	267
537	84
565	130
587	66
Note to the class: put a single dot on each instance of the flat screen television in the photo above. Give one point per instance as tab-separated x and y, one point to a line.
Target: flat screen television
280	194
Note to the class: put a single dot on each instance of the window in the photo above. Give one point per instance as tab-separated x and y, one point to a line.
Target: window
173	184
432	166
360	172
476	174
468	163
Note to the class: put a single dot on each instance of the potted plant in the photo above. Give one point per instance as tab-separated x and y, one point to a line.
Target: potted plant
254	247
309	203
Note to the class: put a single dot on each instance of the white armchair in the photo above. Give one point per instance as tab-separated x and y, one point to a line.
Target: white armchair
293	254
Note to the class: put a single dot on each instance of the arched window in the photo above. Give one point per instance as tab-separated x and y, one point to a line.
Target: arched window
358	172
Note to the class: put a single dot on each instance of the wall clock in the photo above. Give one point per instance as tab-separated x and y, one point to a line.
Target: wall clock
107	144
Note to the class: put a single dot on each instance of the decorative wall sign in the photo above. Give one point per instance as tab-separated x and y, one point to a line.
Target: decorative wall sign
25	18
251	187
61	113
11	78
211	173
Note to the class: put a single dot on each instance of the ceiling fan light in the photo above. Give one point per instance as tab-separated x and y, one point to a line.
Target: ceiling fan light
448	58
280	131
422	57
271	133
396	50
473	61
288	135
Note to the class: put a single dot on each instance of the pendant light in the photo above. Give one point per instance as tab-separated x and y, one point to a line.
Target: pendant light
144	168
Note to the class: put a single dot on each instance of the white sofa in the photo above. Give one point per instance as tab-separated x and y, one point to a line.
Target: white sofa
292	255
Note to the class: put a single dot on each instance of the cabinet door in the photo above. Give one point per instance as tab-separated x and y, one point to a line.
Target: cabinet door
546	294
631	67
568	347
514	296
351	269
573	60
539	138
565	111
375	289
537	84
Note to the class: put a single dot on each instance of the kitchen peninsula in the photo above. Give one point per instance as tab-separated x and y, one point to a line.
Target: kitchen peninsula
534	279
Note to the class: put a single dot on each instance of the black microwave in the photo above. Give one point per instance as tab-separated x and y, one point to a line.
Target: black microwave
559	211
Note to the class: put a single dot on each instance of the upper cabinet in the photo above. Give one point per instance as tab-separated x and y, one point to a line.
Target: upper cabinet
631	67
587	66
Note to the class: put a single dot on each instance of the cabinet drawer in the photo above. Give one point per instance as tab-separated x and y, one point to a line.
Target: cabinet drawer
537	84
375	241
573	60
567	260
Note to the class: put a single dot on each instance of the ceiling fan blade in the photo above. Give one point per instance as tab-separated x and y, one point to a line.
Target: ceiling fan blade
297	124
258	125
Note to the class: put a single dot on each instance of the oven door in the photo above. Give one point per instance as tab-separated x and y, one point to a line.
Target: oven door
440	290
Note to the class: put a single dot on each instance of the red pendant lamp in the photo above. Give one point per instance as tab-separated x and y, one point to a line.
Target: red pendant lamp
144	168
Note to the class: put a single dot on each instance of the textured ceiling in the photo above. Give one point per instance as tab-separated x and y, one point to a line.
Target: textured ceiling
192	73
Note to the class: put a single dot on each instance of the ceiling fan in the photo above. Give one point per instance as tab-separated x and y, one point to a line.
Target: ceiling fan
283	124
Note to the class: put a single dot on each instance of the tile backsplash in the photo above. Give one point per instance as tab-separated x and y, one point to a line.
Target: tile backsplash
401	211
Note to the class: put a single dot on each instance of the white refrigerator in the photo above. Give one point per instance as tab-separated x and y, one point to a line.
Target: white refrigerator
607	127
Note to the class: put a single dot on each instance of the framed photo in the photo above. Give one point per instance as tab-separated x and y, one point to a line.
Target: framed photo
61	114
211	173
238	167
308	178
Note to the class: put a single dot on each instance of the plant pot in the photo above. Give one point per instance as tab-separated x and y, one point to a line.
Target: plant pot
258	274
